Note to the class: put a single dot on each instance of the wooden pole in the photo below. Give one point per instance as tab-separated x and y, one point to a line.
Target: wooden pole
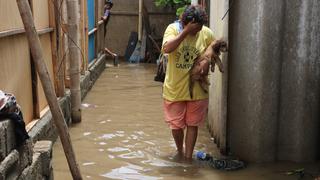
140	21
64	41
75	58
54	21
82	35
37	54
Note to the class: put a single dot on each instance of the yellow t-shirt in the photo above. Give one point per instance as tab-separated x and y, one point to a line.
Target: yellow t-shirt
180	61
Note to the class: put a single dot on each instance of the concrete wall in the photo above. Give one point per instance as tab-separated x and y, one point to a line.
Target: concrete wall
300	82
124	19
274	84
217	114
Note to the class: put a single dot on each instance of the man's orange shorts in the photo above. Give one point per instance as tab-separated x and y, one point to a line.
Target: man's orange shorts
185	113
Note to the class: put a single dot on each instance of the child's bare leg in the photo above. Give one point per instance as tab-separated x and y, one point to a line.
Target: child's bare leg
190	141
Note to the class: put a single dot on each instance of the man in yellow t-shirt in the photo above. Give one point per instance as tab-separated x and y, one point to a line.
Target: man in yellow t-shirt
184	41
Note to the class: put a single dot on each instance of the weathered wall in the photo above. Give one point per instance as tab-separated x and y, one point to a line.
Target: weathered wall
9	16
299	116
125	14
33	159
217	113
15	59
15	72
274	84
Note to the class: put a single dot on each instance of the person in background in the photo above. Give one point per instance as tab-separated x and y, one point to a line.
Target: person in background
184	41
106	17
107	7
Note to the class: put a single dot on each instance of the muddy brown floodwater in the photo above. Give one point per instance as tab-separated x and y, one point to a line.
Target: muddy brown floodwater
123	136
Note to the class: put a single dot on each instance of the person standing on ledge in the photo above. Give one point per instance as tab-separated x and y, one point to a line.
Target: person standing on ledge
106	17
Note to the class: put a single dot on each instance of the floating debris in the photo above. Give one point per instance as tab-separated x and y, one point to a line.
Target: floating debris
86	133
118	149
221	164
88	163
86	105
299	172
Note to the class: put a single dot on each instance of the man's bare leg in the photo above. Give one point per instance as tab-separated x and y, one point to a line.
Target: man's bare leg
190	141
178	136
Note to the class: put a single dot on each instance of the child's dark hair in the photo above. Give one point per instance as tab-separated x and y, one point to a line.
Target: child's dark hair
194	13
109	2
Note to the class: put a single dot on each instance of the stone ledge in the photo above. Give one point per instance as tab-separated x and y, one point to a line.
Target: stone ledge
7	138
34	170
25	154
45	149
9	165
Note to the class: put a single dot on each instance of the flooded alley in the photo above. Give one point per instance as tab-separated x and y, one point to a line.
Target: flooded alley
84	71
123	136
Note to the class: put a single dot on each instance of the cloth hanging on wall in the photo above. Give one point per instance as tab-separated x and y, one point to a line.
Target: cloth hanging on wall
9	109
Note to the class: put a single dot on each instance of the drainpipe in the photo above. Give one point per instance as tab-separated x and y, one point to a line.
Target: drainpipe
140	20
74	54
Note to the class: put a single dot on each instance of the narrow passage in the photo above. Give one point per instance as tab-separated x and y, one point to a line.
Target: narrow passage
123	135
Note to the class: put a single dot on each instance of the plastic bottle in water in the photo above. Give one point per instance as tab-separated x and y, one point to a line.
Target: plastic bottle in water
203	156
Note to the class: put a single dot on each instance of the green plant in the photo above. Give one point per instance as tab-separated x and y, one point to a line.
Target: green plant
179	5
